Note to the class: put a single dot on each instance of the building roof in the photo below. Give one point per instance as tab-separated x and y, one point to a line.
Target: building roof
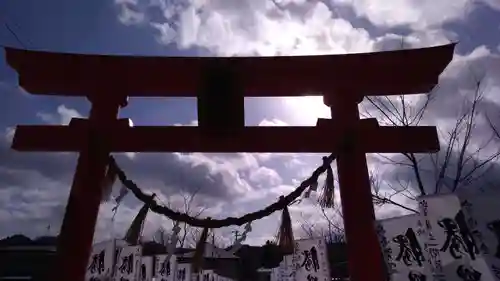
211	251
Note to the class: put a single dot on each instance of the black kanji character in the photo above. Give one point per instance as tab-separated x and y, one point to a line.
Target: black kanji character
311	278
494	226
165	268
409	248
181	274
467	273
496	271
311	259
143	272
127	265
97	263
466	234
416	276
458	237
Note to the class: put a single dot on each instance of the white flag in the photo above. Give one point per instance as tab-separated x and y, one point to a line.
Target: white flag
129	263
402	240
101	261
482	211
450	245
183	272
311	260
166	266
146	270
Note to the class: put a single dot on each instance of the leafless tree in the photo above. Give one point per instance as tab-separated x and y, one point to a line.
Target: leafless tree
332	227
461	162
162	235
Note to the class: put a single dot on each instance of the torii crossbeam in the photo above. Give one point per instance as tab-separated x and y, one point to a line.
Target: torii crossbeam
221	85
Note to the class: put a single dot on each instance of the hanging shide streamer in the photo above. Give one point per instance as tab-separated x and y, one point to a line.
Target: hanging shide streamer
118	199
237	244
327	199
312	187
134	232
285	234
200	250
173	240
108	182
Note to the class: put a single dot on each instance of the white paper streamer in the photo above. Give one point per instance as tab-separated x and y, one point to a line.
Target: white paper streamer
173	240
238	243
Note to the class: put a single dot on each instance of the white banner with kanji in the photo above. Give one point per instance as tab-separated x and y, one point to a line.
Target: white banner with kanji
402	242
101	261
207	275
146	270
453	253
165	269
311	260
482	212
285	270
128	263
183	272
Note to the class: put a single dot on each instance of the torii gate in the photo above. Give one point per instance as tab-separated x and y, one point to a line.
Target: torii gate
221	85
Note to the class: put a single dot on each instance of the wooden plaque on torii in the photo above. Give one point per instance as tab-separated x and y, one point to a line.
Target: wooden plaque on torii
221	85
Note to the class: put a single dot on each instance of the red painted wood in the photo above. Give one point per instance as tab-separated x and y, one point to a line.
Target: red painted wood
363	248
78	226
383	73
251	139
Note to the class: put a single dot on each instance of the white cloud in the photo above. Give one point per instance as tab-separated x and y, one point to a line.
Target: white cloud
128	16
9	134
418	14
265	177
267	28
63	116
258	27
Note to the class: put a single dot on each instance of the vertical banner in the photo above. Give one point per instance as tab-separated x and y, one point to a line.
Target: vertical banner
101	261
482	210
207	275
275	272
286	270
453	253
183	272
165	269
146	270
402	241
128	263
311	260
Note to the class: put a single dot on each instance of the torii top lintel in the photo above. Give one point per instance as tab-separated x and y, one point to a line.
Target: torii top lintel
383	73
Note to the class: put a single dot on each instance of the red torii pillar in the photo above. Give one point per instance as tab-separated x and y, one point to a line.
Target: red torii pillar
387	73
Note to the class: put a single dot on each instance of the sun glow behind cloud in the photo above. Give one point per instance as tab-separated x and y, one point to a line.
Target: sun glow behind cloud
305	111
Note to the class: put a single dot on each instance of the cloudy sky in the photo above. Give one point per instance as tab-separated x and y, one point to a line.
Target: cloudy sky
34	186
